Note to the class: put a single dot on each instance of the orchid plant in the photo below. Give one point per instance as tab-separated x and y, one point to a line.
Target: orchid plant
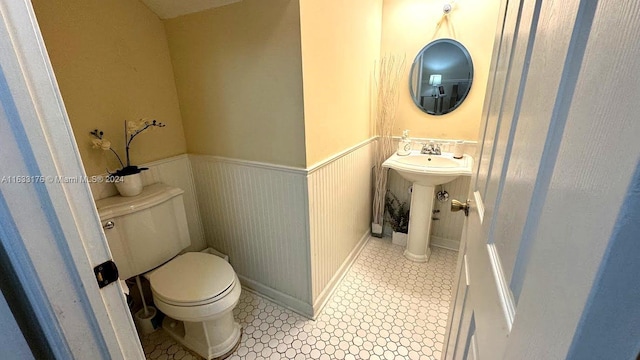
131	130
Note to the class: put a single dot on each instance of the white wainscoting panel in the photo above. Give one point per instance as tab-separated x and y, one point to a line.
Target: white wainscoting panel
257	214
174	171
339	216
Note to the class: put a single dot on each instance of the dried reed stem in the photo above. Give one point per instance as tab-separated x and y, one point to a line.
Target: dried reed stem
387	81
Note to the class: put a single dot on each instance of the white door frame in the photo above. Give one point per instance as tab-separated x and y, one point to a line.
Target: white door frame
50	233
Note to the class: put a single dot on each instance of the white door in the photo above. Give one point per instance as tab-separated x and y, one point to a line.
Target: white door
556	162
50	235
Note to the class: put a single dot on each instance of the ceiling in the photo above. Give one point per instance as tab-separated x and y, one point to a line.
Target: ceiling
167	9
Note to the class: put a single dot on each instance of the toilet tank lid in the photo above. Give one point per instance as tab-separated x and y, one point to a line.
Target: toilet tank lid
151	195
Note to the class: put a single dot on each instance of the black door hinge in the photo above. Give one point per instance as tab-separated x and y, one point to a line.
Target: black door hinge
106	273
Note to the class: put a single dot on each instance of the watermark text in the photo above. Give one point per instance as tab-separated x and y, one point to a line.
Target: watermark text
58	179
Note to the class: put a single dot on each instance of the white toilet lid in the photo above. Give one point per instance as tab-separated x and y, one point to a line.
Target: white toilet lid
192	277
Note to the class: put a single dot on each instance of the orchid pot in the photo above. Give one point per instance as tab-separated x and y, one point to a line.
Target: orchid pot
129	185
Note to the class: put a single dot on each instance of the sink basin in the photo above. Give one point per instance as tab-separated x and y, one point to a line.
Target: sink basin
429	170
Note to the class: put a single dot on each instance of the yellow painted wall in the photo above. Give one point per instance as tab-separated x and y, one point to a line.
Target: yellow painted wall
239	79
239	74
409	25
340	44
112	63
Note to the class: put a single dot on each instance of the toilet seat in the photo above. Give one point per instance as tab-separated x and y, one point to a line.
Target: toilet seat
192	279
202	312
194	286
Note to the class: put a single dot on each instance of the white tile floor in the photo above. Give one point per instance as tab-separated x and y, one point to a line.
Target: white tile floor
386	307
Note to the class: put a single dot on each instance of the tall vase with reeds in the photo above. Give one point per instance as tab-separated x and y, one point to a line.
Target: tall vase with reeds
387	75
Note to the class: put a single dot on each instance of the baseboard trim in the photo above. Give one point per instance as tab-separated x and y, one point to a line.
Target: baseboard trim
445	243
325	295
296	305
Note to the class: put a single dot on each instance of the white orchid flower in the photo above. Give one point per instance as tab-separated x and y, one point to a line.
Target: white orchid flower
103	144
97	143
106	145
132	129
133	126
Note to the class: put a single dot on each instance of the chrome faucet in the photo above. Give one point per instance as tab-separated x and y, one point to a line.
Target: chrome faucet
431	149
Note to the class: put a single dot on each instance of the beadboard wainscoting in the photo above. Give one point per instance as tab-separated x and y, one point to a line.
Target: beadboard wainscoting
174	171
258	215
290	233
339	216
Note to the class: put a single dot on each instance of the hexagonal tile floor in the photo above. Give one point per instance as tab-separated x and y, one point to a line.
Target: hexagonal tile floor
386	307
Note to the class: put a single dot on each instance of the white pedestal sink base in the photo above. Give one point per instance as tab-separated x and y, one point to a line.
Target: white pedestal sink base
416	258
420	223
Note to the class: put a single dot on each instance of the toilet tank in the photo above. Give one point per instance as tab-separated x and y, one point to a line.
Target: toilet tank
148	229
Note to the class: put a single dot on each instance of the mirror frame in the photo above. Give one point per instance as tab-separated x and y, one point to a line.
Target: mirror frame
466	54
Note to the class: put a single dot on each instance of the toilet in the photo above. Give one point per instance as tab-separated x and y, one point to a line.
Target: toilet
197	291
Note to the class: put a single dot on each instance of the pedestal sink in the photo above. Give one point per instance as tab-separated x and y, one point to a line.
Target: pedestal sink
426	172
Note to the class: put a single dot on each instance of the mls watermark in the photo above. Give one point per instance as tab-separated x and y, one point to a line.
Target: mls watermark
58	179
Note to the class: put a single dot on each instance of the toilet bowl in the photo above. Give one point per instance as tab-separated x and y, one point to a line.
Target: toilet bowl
197	291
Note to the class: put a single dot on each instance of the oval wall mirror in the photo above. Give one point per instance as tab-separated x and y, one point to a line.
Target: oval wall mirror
441	76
